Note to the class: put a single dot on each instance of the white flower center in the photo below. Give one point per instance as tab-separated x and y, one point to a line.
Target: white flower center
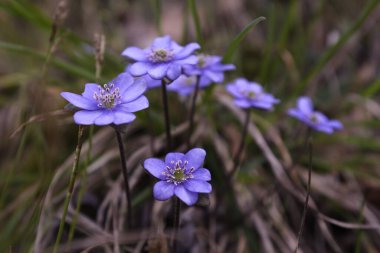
108	96
178	172
314	118
160	55
202	60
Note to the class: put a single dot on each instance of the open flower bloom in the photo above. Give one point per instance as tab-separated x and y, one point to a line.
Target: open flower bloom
209	69
181	175
112	103
314	119
250	94
163	59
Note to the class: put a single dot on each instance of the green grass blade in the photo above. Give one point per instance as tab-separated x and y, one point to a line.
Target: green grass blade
68	67
372	89
157	15
371	5
197	23
269	47
237	40
28	12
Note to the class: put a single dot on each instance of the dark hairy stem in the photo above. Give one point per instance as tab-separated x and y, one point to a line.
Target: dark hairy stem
125	175
177	216
192	112
238	154
310	147
167	119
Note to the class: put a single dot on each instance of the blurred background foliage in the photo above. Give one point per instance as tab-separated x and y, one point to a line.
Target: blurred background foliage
329	50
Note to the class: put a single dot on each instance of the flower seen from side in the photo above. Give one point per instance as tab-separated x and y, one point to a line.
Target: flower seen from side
314	119
112	103
181	174
165	58
183	85
250	95
209	69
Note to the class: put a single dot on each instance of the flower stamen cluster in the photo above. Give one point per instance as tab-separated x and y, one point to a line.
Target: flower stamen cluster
160	55
108	96
178	172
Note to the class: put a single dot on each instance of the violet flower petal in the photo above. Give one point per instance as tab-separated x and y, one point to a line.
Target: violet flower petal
174	71
90	89
139	68
105	118
86	117
190	198
135	105
201	186
163	190
80	101
195	157
243	103
173	157
134	53
161	42
187	50
158	71
155	167
305	105
134	91
121	117
202	174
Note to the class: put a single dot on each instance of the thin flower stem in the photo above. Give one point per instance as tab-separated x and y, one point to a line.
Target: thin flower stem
177	217
192	112
70	189
310	147
166	111
125	175
236	160
83	182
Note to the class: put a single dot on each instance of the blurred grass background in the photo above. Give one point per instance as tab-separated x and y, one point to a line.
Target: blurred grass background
329	50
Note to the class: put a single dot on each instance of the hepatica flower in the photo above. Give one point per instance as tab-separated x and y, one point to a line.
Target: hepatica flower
183	85
314	119
163	59
112	103
250	94
181	175
209	69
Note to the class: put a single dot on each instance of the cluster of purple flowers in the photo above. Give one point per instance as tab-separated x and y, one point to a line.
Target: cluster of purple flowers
166	61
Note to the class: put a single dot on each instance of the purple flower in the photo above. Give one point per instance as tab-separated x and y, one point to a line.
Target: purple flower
209	69
151	83
164	58
183	85
250	94
314	119
181	175
113	103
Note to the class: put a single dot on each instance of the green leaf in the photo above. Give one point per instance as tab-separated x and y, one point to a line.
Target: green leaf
68	67
330	52
237	40
372	89
197	24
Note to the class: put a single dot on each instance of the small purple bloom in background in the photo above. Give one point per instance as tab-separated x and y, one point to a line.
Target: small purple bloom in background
183	85
209	69
250	94
181	175
113	103
314	119
163	59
